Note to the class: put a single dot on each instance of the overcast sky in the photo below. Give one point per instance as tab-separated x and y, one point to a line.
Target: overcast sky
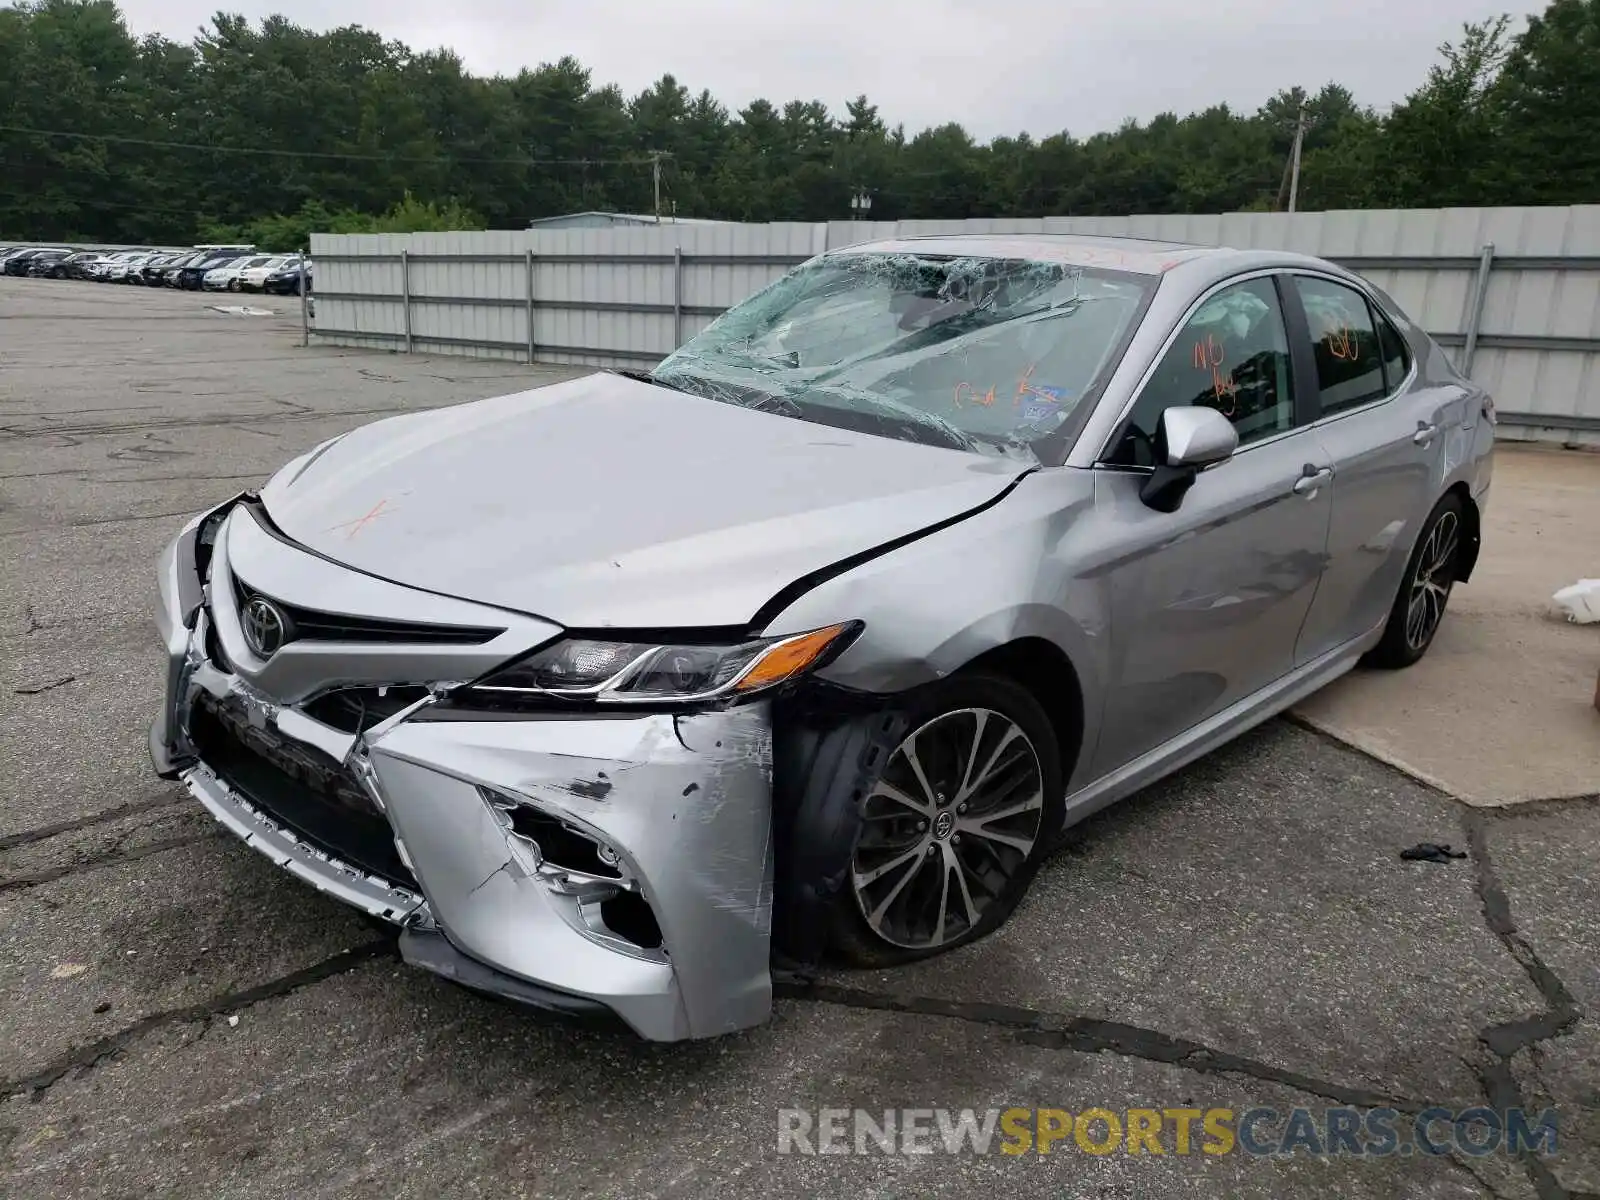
997	66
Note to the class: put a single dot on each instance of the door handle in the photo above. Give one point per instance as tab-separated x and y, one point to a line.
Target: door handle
1424	433
1311	480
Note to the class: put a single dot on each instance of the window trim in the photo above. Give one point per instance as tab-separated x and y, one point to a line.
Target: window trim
1299	396
1377	313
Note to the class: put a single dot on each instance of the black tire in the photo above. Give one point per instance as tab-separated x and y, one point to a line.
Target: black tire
855	759
1430	575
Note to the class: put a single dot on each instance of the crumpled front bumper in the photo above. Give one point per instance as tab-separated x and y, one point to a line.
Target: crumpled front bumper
681	802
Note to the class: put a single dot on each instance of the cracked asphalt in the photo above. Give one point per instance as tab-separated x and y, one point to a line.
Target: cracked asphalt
179	1018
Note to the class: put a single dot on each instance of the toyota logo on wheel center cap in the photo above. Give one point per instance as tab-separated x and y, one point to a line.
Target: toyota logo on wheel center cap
265	627
943	825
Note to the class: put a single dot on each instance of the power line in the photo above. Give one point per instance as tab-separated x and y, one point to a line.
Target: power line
275	152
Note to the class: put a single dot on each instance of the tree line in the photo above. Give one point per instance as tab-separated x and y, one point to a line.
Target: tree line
269	131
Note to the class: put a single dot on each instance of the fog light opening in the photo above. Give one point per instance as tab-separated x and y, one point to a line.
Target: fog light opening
559	844
628	915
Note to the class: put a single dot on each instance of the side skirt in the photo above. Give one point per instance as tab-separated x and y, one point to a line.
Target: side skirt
1226	725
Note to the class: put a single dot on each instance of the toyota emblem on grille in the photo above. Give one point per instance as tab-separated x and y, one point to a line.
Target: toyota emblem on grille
266	629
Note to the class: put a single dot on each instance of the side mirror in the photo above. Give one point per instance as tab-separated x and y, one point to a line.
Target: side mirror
1190	439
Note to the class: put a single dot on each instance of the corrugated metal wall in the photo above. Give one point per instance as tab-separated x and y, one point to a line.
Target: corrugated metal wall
616	297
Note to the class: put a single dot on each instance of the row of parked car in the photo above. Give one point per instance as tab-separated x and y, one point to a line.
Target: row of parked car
202	268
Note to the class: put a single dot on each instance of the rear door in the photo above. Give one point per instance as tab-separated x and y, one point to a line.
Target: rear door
1207	602
1386	442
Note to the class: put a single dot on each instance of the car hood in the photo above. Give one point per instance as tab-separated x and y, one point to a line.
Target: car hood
608	502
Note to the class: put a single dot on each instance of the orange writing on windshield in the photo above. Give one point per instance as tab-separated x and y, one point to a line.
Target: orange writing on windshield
966	392
1026	388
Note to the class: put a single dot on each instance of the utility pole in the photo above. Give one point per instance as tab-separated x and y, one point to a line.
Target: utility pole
655	178
1294	158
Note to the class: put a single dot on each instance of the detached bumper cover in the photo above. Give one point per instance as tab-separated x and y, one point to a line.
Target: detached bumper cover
679	807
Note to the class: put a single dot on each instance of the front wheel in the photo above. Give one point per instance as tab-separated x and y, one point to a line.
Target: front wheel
953	824
1424	589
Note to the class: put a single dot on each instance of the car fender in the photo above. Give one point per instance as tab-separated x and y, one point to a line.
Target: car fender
1019	569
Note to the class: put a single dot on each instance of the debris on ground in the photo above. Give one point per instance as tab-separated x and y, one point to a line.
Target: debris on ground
67	970
1433	852
1580	601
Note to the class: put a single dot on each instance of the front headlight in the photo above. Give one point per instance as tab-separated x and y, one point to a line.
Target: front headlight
653	673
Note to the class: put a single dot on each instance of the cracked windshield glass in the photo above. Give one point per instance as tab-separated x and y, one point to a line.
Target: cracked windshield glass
980	354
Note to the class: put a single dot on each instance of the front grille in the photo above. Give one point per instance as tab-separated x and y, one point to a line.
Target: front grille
312	626
296	785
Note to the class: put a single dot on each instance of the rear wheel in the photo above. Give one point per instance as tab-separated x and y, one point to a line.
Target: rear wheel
953	825
1424	589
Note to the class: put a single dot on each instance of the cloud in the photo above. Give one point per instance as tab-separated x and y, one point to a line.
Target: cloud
996	66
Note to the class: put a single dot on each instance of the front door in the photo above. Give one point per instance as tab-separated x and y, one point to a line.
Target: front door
1207	602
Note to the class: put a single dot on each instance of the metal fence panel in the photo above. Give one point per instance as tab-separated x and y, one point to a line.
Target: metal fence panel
627	296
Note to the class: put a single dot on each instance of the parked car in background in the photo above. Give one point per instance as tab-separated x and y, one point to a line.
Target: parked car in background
118	271
99	270
77	266
138	273
1025	523
94	268
48	267
16	263
165	272
191	275
253	276
44	262
115	268
288	280
225	277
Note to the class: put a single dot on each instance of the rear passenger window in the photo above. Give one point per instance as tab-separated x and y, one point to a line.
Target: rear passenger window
1231	355
1396	356
1344	342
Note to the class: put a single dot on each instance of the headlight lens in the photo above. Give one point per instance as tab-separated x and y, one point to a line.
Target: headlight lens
648	672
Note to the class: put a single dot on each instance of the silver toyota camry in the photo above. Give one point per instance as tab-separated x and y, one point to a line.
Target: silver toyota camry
815	639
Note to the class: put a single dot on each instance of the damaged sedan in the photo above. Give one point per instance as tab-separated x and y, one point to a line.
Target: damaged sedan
813	641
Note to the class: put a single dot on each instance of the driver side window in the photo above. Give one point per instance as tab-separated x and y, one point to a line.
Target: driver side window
1231	355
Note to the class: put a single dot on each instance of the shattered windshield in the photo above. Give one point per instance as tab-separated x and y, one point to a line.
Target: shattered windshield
981	354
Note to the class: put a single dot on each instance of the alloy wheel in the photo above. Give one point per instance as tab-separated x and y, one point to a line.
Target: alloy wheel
1430	586
953	818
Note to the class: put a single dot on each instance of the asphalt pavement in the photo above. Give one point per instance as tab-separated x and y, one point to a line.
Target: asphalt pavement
179	1018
